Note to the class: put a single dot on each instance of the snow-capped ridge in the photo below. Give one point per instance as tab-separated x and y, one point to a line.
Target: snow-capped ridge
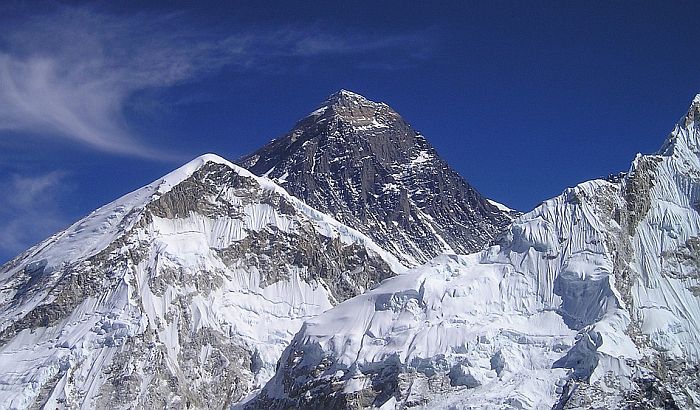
101	227
97	230
684	140
692	117
209	259
344	95
500	206
186	171
175	177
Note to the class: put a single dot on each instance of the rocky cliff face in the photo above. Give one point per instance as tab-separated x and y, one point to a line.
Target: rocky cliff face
359	161
182	294
589	301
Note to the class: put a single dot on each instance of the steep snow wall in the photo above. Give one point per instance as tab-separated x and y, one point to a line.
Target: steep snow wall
181	294
589	300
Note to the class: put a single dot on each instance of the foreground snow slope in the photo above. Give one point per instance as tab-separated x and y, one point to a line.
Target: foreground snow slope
591	299
181	294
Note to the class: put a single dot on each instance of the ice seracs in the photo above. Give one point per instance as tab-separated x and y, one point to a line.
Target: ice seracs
591	300
202	287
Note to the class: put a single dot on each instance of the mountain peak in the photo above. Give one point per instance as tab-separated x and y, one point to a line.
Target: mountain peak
211	157
208	258
199	161
360	161
693	114
685	137
180	174
355	110
347	95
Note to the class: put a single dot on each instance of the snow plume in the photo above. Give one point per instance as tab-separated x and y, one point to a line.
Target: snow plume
67	73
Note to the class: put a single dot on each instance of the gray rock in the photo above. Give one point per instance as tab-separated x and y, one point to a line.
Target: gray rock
361	162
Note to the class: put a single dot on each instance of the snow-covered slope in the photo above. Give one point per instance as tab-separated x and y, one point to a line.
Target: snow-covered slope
181	294
591	300
359	161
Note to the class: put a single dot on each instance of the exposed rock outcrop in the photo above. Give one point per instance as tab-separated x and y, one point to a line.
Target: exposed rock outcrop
359	161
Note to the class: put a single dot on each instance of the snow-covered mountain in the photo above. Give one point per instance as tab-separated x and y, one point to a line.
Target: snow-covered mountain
591	300
211	282
182	294
359	161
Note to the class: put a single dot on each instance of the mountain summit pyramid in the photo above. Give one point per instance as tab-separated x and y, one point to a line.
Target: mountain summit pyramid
359	161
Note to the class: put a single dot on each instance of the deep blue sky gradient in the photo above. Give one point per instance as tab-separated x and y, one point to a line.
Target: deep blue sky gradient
523	98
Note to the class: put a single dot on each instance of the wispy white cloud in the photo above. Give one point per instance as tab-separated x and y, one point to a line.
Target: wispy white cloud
29	209
68	73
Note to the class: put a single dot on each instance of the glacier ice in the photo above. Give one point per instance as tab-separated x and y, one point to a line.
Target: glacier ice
589	300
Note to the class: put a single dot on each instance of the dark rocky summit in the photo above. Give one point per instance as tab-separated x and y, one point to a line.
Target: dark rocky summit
360	161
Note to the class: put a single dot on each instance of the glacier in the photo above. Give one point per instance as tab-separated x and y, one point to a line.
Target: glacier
591	300
214	287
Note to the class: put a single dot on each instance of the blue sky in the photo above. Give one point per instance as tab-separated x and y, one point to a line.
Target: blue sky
522	98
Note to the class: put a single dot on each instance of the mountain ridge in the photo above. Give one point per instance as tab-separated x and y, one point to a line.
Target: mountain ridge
187	291
588	301
147	300
360	161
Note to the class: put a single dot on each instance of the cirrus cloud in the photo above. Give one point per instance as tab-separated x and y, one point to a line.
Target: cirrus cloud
68	73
